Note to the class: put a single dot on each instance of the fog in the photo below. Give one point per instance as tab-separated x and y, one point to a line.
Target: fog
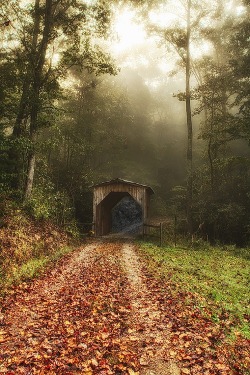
151	74
154	92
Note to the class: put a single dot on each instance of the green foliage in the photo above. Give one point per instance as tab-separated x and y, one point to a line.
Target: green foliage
48	203
34	267
223	209
103	127
221	184
158	206
220	275
12	176
10	83
5	175
178	198
27	246
41	205
30	84
240	59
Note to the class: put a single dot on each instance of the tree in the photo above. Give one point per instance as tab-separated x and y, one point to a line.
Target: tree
215	197
180	37
103	133
215	92
189	123
49	26
240	62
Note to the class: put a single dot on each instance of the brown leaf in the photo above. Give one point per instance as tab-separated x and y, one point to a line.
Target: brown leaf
94	362
143	362
221	366
185	371
172	353
132	372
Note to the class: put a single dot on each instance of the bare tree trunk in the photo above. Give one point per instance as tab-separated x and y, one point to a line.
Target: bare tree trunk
36	87
17	129
30	177
189	128
15	153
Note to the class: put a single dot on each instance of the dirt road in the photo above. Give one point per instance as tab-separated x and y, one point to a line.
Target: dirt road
100	311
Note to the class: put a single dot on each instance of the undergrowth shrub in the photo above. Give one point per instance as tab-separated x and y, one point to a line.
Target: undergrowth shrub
26	243
46	203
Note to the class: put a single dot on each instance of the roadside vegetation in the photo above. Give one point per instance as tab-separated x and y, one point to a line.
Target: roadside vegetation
28	246
217	276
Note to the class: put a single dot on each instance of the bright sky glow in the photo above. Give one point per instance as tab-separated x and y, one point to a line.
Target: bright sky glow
23	3
235	9
134	48
129	33
69	82
166	66
167	16
197	51
56	58
153	84
240	10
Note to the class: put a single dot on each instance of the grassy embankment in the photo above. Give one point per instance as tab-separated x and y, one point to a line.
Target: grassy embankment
27	247
219	276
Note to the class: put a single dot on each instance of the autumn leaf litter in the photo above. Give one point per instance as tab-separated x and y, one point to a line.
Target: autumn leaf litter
100	311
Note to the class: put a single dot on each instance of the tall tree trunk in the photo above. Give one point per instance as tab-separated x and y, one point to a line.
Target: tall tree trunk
189	128
17	129
24	104
25	98
36	88
30	176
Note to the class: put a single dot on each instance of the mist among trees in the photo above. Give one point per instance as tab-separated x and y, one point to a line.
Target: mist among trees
155	92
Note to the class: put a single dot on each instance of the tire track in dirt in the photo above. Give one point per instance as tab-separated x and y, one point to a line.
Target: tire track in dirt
56	280
83	258
100	311
71	320
30	306
146	323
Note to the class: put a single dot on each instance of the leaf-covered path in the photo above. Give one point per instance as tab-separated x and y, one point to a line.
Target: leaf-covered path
100	311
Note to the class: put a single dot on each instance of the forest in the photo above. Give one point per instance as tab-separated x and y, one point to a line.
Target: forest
156	92
155	95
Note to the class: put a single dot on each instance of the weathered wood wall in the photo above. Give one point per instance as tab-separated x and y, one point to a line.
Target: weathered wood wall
107	195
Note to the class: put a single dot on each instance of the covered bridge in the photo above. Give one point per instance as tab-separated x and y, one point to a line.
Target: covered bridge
110	194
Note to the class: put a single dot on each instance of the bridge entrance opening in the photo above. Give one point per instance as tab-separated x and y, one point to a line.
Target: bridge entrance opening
119	212
127	216
119	205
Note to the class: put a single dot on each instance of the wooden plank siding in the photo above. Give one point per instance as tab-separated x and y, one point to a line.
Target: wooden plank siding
108	194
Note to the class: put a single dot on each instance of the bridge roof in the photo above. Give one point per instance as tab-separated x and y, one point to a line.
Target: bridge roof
126	182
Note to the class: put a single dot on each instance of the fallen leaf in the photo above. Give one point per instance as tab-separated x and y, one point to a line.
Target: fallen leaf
94	362
185	371
172	353
132	372
221	366
143	362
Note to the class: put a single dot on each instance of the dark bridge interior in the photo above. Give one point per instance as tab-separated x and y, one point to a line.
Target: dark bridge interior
119	212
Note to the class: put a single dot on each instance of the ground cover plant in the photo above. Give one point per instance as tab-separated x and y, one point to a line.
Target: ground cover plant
27	247
218	276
